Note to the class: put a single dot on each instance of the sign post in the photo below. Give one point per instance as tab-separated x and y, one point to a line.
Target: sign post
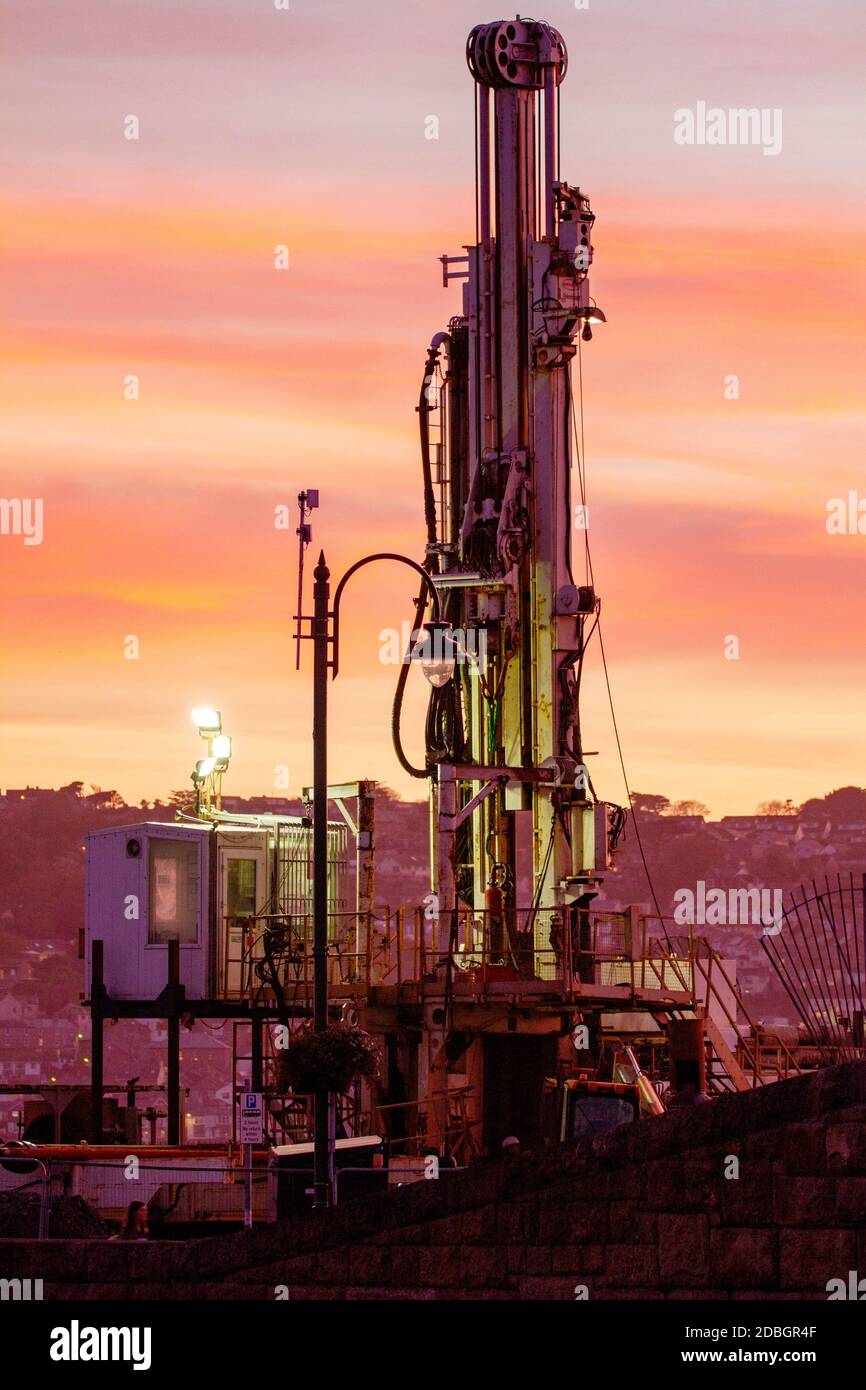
251	1132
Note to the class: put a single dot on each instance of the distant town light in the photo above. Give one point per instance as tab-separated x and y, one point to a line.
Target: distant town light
207	720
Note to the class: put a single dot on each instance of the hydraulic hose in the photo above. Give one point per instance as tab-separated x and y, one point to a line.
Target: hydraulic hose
424	409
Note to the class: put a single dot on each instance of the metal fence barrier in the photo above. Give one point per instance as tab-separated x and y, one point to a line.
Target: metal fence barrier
203	1193
16	1175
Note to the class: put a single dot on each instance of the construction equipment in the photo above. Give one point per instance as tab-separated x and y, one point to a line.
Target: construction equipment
580	1107
519	835
576	1107
474	997
517	823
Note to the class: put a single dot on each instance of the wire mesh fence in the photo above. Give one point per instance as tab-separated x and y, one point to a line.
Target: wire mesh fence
200	1194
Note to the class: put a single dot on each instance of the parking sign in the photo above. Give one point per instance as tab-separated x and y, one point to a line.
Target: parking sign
252	1118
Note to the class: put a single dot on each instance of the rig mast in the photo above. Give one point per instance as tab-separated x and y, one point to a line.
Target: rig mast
517	828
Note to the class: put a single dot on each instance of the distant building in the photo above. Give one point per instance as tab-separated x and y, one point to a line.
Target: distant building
750	825
15	971
18	1004
28	793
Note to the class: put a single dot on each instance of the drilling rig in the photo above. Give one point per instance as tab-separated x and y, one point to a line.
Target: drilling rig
509	992
518	831
507	976
520	840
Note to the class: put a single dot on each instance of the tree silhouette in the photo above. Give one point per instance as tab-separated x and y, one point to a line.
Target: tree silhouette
687	808
844	804
648	804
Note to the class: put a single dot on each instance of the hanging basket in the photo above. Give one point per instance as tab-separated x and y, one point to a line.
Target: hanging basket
328	1061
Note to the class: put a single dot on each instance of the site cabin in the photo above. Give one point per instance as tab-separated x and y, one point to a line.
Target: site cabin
200	883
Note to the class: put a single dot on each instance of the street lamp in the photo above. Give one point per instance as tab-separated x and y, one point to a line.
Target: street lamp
437	654
325	636
591	314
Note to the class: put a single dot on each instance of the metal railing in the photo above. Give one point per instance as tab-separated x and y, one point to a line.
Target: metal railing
397	1175
479	950
275	951
767	1057
404	1175
455	1126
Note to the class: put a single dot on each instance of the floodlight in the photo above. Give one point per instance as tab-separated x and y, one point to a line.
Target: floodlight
207	720
221	747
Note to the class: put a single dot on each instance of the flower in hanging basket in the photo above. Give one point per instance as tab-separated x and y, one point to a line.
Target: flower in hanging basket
328	1061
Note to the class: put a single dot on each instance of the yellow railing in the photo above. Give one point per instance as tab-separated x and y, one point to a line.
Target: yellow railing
272	956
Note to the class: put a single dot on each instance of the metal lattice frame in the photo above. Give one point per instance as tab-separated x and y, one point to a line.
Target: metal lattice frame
818	951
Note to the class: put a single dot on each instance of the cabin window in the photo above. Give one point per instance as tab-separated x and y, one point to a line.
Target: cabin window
595	1114
173	891
241	887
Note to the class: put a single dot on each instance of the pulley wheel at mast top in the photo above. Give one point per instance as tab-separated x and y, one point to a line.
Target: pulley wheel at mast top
516	53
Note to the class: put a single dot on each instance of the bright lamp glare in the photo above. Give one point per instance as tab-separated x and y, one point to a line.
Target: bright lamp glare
437	653
205	766
207	719
221	747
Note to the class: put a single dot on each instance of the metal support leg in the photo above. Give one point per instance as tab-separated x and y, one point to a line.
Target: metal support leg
174	1047
97	1077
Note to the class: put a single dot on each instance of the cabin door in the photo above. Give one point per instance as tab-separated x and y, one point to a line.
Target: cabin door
243	895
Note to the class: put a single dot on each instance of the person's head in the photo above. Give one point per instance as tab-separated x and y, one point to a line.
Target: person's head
135	1224
511	1145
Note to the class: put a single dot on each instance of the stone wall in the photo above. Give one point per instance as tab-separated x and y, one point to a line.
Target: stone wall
758	1195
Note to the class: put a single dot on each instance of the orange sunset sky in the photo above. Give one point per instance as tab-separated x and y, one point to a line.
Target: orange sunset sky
306	127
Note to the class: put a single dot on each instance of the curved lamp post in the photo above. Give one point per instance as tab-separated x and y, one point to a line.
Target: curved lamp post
324	637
